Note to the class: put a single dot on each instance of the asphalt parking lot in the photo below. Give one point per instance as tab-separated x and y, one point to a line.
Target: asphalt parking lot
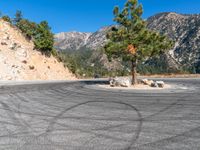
78	116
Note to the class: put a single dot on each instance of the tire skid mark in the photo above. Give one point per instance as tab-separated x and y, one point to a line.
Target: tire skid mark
133	140
172	139
63	91
20	127
164	109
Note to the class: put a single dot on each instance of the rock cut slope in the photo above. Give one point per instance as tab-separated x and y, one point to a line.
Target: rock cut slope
19	60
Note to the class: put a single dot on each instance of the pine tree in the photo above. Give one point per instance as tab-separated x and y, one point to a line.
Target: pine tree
18	17
44	39
40	33
27	27
131	40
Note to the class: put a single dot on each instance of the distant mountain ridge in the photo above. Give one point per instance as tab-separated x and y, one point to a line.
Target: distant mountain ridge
77	40
71	40
182	28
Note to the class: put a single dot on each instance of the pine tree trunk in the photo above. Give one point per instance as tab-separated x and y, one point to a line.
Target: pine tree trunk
134	72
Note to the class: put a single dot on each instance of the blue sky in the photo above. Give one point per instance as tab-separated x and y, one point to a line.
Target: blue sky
88	15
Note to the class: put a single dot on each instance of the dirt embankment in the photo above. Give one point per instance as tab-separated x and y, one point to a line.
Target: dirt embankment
18	60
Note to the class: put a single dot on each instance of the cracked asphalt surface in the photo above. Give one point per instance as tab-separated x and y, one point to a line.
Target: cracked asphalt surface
81	116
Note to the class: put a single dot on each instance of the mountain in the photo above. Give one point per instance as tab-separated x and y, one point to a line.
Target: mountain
19	60
183	29
71	40
77	40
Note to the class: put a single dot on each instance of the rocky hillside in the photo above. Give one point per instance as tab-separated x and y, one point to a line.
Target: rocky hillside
19	60
71	40
79	40
183	29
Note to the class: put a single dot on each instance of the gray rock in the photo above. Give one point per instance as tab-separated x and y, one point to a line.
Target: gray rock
144	81
21	52
154	84
122	82
13	46
160	84
147	82
4	42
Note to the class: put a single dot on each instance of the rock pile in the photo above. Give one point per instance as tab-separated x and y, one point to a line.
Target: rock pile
152	83
126	82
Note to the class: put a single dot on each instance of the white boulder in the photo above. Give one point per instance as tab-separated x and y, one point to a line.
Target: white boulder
147	82
160	84
121	82
144	81
154	84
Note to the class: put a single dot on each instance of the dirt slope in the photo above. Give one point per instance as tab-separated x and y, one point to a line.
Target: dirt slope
18	60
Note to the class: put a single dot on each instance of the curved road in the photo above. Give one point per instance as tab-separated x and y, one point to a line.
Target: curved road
82	116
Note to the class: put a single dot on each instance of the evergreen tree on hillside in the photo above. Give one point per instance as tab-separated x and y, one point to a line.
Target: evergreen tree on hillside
131	40
27	27
40	34
18	17
44	39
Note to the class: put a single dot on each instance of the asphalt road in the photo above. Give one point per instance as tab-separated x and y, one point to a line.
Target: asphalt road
81	116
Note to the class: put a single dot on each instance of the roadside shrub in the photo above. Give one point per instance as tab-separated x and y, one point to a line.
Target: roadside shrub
40	34
44	39
27	27
54	52
7	19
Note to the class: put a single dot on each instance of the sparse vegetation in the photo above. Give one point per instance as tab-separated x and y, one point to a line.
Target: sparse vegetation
40	33
28	28
6	18
78	62
43	39
84	63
